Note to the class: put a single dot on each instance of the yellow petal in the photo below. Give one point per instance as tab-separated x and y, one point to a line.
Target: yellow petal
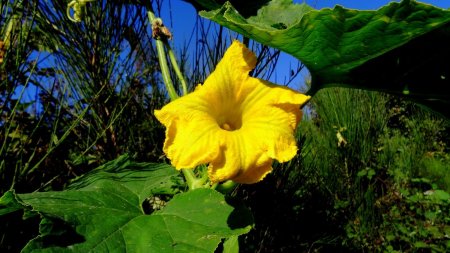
255	174
187	107
224	85
239	160
190	132
188	145
225	166
272	130
259	92
237	60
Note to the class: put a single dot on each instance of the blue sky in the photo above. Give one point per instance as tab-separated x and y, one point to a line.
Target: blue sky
184	16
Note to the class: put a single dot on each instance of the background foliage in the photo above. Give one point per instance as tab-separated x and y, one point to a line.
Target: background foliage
381	186
372	173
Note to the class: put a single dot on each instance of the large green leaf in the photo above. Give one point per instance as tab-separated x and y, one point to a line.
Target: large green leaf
103	212
143	179
8	203
245	8
402	48
110	220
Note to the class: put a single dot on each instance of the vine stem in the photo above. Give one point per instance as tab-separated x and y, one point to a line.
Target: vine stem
163	61
192	181
173	61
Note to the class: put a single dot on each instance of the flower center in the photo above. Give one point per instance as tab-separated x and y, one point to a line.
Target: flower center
228	116
228	127
230	123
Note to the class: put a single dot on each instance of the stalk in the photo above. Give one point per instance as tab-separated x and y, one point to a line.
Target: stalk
163	61
176	68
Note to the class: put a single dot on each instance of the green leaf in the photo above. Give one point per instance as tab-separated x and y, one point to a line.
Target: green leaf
9	203
370	173
420	244
195	221
439	195
103	212
231	245
143	179
245	8
110	219
361	173
401	48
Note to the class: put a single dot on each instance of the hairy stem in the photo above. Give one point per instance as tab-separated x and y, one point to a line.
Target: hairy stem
163	61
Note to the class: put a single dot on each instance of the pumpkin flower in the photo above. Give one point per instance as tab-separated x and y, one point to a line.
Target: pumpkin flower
235	123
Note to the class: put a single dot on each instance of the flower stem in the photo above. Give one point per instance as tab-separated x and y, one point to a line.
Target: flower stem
163	61
173	61
190	178
193	181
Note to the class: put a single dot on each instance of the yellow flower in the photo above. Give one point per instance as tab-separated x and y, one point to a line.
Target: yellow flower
235	123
